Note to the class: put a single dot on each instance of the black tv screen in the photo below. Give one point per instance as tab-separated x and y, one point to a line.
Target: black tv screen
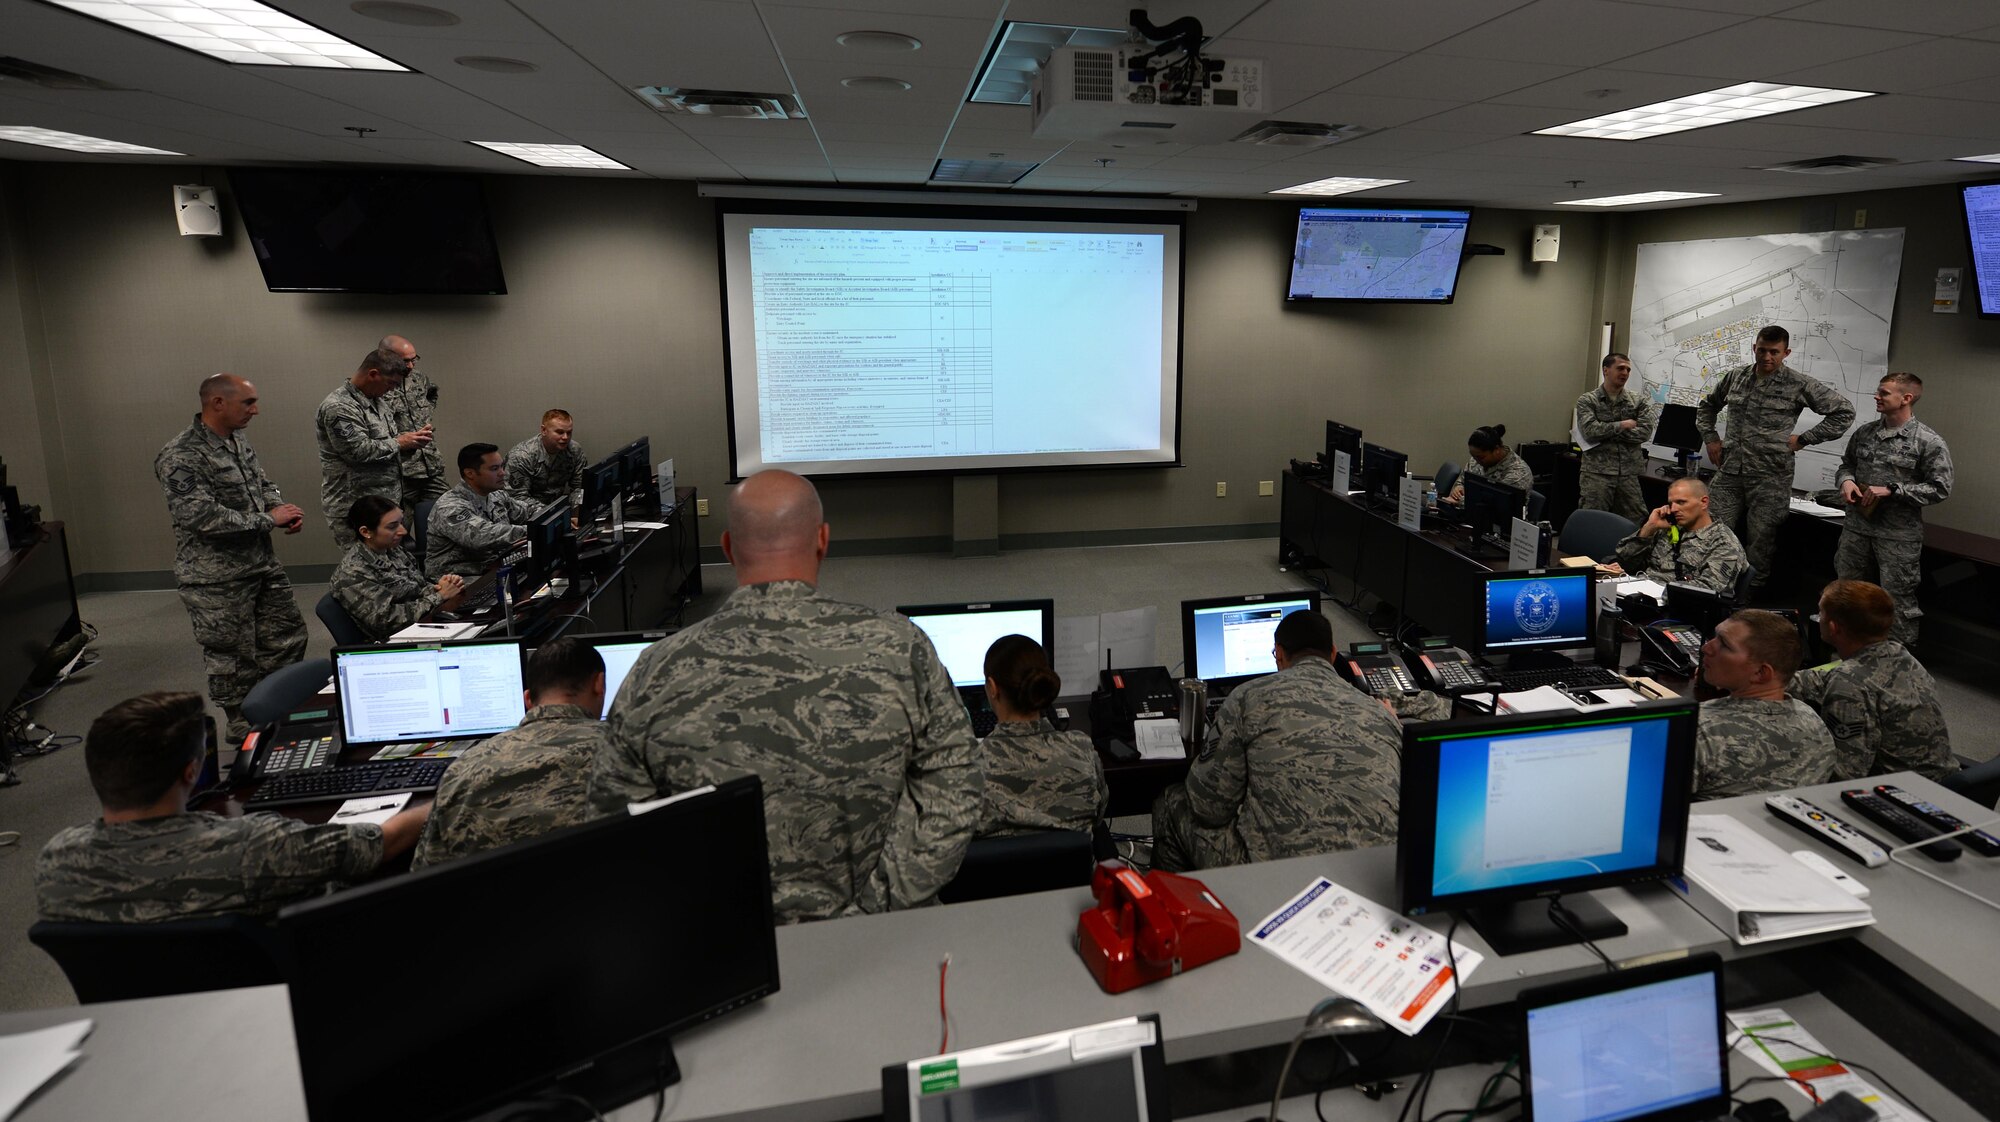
1982	229
407	233
1379	254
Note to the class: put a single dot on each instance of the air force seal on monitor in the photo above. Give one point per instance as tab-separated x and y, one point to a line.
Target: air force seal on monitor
1537	606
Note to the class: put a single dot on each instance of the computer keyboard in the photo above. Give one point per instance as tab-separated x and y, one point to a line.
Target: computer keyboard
1579	676
327	784
984	721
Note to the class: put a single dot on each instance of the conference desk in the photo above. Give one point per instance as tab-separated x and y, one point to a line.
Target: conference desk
634	583
862	992
37	606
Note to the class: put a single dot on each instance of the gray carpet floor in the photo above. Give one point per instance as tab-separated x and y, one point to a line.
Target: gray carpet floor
145	644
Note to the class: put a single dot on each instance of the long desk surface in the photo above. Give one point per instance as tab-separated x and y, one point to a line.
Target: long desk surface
862	992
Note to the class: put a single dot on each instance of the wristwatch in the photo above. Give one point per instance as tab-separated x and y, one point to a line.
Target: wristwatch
1895	488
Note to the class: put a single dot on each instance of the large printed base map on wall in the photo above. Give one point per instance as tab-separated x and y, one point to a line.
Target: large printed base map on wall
1697	306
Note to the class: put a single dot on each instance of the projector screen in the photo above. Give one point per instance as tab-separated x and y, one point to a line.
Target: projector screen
937	342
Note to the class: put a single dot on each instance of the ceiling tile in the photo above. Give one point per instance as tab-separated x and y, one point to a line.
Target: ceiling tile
1589	32
1490	118
1932	17
1369	24
1934	62
805	33
496	20
1757	49
1443	76
1336	107
1298	70
699	44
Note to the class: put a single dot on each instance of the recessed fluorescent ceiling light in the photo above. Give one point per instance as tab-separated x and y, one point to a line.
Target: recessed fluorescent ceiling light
1989	158
1338	185
242	31
553	155
1641	197
49	138
1698	111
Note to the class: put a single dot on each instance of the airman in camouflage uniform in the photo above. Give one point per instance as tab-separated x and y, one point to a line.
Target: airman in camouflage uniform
1879	702
549	465
411	407
1753	479
383	590
1300	762
148	860
1893	468
360	448
1513	471
1680	542
1619	424
520	784
224	508
475	522
871	775
1757	739
1039	778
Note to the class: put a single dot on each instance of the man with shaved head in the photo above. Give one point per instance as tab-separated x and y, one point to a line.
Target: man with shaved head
871	775
224	508
410	408
1681	542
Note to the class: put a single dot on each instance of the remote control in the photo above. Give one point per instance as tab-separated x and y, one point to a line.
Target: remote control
1827	868
1902	823
1978	841
1795	811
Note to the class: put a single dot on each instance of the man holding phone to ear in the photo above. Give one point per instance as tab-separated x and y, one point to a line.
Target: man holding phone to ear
1681	542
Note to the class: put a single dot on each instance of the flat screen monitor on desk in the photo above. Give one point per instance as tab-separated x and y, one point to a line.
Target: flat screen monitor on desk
603	481
1343	438
962	632
1507	818
1382	470
1491	507
551	540
428	691
1110	1072
1537	611
561	962
1226	640
640	482
1644	1043
620	649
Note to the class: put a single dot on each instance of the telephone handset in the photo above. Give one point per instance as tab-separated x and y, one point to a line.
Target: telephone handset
1448	670
252	757
1377	669
1672	644
1151	926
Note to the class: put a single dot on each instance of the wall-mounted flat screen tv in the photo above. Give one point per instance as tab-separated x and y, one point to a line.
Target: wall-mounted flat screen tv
1382	254
407	233
1982	229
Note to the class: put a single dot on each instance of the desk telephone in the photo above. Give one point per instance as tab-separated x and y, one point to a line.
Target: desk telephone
1377	669
1145	928
1673	645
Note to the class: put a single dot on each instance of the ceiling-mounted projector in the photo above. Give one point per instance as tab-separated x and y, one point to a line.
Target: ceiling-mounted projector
1129	96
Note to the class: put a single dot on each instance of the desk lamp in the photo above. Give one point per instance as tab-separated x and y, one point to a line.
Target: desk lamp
1334	1016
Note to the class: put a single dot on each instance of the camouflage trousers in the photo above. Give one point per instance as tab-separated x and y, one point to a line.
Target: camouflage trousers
1754	507
423	481
1618	494
247	629
1180	844
1894	564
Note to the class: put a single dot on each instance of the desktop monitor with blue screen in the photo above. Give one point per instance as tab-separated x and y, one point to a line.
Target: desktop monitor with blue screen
962	632
1644	1044
1109	1072
620	650
1500	815
1226	640
428	691
1541	610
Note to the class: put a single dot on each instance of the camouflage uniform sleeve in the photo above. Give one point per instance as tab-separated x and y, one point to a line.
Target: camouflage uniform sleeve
1845	473
286	858
382	604
1587	422
462	527
272	496
1933	473
944	778
577	461
1720	564
1517	473
1635	554
1845	710
1220	776
1648	418
521	509
192	502
1709	408
347	437
1836	412
520	472
619	771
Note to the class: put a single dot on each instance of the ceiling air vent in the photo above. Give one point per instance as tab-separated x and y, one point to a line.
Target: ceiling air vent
1299	134
1831	165
47	77
981	171
721	103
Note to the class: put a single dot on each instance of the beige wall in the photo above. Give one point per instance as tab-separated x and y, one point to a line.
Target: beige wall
22	420
613	313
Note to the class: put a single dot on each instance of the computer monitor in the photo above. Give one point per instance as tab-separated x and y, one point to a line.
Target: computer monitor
1109	1072
1491	507
640	483
428	691
1226	640
1538	610
1647	1042
1343	438
1697	605
565	959
962	632
1677	428
551	540
1500	814
603	481
620	649
1382	470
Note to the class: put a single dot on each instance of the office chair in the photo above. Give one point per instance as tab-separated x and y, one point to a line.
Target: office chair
1010	866
1446	478
1979	782
285	690
1595	533
346	632
121	961
420	528
1740	595
1536	501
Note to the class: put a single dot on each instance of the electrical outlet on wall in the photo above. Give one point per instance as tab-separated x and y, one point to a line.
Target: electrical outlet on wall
701	508
1266	487
1221	490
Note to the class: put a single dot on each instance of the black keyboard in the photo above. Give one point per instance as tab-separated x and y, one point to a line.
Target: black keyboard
1576	677
984	721
327	784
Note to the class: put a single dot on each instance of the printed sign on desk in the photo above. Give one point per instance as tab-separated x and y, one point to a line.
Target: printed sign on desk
1343	473
1524	542
1410	504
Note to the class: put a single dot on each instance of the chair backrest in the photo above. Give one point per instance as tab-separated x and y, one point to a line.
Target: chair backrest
1595	533
1010	866
345	631
1740	595
1979	782
1536	501
121	961
420	528
285	690
1446	478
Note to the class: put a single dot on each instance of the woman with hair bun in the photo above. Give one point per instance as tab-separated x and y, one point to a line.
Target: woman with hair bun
1037	778
1488	458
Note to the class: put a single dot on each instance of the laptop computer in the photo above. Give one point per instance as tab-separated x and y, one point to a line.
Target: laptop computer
1645	1044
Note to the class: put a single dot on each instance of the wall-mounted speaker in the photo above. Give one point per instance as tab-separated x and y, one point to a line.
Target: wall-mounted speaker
196	211
1547	240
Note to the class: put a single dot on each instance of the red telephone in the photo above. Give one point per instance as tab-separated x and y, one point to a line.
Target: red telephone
1145	928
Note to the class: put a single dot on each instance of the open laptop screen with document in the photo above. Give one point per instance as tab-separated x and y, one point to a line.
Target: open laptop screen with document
1642	1044
429	691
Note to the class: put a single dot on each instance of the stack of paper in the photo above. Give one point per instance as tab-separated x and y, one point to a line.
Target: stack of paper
1755	891
30	1059
1545	698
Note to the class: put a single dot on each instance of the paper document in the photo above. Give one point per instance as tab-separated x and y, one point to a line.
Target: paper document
375	808
655	804
1343	473
1128	635
1807	506
1545	698
437	632
1524	545
1783	1047
635	524
1159	739
1753	890
30	1059
1395	966
1576	436
1651	588
1076	655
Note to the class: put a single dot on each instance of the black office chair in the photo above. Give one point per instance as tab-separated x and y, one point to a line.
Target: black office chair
1011	866
1446	478
285	690
420	528
1536	501
122	961
1979	782
1595	533
1740	595
345	632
